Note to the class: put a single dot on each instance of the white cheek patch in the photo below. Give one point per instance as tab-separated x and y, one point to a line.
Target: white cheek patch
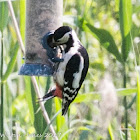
65	38
77	76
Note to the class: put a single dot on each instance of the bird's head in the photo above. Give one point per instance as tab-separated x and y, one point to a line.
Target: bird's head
63	35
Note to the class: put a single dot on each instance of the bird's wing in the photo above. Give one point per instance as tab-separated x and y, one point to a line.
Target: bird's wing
72	78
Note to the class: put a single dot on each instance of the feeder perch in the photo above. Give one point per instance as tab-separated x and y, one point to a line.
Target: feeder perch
35	69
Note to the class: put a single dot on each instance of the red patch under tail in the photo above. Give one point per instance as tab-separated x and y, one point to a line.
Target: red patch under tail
58	91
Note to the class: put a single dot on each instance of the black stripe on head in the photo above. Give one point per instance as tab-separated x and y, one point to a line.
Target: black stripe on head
59	33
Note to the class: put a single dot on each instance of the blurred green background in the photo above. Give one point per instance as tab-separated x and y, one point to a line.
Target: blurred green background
110	31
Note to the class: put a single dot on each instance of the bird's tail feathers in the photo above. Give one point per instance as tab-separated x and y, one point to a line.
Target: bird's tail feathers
65	107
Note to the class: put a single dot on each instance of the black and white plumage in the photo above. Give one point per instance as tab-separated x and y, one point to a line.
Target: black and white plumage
69	74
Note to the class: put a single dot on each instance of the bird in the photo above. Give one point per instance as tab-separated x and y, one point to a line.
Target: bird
70	73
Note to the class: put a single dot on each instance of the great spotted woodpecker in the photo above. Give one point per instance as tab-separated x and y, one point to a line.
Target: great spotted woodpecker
71	72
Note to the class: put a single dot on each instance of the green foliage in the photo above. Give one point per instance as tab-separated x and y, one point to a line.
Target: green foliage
48	105
138	108
12	63
106	39
3	15
60	120
38	117
132	133
1	89
88	97
125	13
47	128
22	6
29	98
126	91
34	109
111	133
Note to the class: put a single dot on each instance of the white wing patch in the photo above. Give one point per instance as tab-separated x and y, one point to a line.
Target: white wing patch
77	75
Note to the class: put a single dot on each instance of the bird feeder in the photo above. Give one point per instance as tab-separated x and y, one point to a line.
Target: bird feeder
41	17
